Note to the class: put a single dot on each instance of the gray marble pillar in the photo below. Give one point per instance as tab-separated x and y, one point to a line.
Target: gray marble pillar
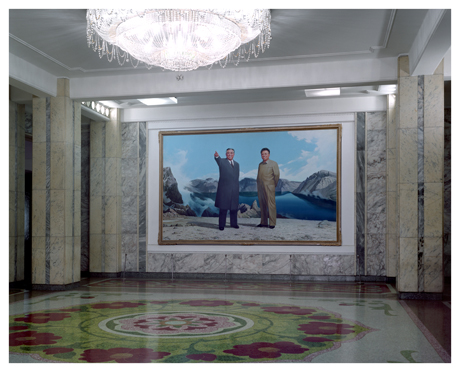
16	191
56	188
134	196
105	195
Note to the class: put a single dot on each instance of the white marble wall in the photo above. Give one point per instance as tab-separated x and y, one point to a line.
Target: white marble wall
16	191
261	264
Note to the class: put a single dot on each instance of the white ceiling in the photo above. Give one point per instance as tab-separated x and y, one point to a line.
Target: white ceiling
354	49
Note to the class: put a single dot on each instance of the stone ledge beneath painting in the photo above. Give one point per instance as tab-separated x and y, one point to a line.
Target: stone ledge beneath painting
187	228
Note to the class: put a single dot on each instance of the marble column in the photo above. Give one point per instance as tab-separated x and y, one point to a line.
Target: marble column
56	190
134	196
392	241
105	195
420	158
376	197
16	191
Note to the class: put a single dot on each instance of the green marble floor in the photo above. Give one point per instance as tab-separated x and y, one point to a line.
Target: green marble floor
190	321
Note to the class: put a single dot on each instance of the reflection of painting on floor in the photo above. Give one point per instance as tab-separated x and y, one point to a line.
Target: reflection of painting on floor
248	286
137	321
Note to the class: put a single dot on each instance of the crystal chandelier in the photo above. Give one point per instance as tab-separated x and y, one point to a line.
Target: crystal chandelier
178	39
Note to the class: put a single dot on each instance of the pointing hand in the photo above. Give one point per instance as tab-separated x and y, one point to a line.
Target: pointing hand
216	155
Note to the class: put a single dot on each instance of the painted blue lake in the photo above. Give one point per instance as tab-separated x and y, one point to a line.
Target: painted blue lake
287	205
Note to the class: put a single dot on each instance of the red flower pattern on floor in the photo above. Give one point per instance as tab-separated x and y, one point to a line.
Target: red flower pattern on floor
57	350
259	350
122	355
32	338
205	357
317	339
40	318
18	328
323	328
117	305
207	303
288	310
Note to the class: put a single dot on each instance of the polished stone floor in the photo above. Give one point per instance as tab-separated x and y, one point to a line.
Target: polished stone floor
198	321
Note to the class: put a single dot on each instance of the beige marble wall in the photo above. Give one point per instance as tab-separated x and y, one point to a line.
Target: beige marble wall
105	196
16	191
418	173
56	187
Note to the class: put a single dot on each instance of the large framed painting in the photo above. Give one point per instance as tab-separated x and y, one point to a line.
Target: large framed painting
271	186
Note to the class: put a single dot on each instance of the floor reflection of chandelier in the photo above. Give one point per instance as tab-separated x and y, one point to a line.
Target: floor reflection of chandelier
178	39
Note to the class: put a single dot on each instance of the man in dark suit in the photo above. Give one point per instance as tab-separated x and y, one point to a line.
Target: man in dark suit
228	188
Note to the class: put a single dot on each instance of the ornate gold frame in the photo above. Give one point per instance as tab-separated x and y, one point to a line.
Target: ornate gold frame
336	242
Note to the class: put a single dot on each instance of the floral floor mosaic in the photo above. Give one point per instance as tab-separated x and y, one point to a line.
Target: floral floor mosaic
95	325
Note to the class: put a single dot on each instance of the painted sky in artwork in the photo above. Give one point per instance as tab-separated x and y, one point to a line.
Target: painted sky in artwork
299	153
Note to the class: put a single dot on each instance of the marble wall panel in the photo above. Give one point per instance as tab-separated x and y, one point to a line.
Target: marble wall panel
376	121
95	257
38	260
247	263
189	262
57	260
97	172
408	91
376	254
129	176
218	263
57	213
39	166
110	255
433	209
408	270
393	256
129	252
408	203
129	223
323	265
434	101
129	140
96	140
276	264
408	155
433	155
433	274
376	213
59	120
159	262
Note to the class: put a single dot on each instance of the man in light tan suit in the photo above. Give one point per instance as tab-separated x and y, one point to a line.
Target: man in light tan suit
267	179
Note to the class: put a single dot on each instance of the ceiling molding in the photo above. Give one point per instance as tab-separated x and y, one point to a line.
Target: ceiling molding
432	42
388	32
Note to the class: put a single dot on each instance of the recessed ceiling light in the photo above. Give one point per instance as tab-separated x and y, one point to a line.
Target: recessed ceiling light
158	101
322	92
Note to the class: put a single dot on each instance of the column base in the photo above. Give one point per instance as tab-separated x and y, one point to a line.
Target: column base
55	287
420	296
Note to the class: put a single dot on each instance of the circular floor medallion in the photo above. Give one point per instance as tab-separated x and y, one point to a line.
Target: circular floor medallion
172	324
